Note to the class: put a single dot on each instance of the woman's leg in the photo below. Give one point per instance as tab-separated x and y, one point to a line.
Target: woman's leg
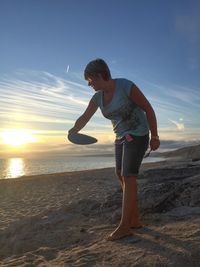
128	206
132	158
118	173
118	161
129	158
135	218
135	221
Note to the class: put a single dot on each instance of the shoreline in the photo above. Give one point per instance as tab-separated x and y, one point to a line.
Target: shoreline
16	168
144	165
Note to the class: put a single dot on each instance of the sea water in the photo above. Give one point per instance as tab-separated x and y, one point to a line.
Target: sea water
17	167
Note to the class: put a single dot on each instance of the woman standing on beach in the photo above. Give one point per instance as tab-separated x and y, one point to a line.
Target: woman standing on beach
132	116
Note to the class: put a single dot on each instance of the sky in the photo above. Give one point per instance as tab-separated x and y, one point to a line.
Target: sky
46	44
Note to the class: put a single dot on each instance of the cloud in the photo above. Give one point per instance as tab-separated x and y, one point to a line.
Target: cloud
45	102
177	108
48	106
171	133
185	95
67	70
41	96
178	100
180	125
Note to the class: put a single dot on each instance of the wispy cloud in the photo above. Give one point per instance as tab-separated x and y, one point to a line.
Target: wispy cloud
189	134
67	70
177	108
47	105
45	98
186	95
179	124
174	97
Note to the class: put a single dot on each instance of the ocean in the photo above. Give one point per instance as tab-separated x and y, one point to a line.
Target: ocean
17	167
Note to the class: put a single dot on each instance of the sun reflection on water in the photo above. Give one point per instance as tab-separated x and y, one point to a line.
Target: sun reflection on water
15	168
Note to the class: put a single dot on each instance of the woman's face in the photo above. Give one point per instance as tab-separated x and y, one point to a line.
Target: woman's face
95	82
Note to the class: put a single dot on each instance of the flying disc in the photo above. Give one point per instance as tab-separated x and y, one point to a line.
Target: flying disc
81	139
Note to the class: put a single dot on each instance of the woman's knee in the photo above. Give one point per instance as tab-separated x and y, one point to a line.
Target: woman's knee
118	173
129	179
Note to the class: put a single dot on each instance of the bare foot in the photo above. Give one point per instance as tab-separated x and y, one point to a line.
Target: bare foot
119	233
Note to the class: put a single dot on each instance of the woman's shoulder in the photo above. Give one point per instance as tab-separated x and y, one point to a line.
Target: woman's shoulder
97	98
98	93
123	80
124	86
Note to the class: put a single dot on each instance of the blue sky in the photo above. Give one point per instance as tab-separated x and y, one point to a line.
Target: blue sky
46	44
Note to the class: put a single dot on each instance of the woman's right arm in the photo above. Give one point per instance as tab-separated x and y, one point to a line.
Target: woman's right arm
83	119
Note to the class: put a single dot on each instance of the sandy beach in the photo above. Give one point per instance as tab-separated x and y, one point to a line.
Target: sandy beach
63	219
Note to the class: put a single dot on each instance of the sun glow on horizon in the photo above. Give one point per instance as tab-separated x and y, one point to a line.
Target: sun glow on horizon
17	137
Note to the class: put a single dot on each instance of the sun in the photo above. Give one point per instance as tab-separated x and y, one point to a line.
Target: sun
17	137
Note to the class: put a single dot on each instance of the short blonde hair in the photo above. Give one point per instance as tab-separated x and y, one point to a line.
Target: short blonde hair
96	67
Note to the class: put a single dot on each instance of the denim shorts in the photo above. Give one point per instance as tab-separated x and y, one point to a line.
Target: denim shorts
129	153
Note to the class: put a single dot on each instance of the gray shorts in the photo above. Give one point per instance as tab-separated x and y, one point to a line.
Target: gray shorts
129	153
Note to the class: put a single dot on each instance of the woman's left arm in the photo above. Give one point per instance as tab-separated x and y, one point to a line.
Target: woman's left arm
139	99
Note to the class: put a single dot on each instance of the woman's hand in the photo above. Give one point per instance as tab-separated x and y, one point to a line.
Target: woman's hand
73	130
83	120
154	143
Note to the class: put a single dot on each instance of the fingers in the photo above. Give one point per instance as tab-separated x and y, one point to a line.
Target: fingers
73	130
154	144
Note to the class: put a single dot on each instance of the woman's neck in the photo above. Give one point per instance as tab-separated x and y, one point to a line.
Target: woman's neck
108	86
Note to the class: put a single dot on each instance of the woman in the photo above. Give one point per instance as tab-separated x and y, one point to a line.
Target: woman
132	116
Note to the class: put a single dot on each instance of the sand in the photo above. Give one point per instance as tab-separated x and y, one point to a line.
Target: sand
63	220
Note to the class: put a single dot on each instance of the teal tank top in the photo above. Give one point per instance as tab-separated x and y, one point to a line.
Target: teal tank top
125	115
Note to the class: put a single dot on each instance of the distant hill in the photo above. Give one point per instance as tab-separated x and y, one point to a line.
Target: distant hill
192	152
